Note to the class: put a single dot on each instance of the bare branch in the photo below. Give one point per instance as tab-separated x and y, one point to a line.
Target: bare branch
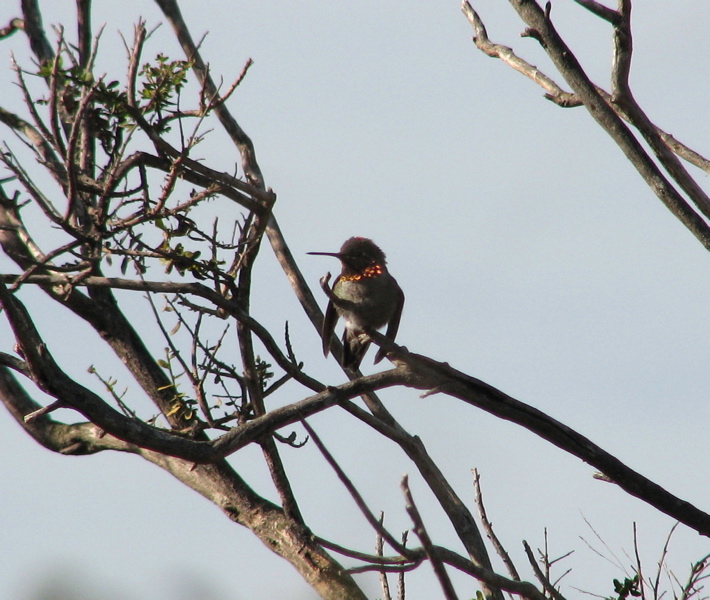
684	151
390	564
401	589
134	57
600	11
379	551
488	528
246	148
265	198
424	373
444	580
568	66
216	482
624	99
35	31
45	410
222	99
13	26
38	142
565	99
356	496
427	374
623	50
549	588
521	588
506	54
56	383
54	103
31	106
84	31
639	567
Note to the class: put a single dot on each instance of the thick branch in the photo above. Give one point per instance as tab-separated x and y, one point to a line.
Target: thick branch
425	373
51	379
624	99
216	482
35	31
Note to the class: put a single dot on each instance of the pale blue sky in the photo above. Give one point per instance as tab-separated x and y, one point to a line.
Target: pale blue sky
531	254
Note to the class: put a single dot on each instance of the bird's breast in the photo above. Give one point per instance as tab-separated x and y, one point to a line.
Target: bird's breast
373	300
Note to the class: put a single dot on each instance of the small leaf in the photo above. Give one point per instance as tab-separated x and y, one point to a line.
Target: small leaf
173	410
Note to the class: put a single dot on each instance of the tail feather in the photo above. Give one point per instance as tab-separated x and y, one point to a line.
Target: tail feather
353	349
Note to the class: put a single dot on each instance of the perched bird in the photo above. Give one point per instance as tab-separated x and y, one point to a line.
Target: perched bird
365	295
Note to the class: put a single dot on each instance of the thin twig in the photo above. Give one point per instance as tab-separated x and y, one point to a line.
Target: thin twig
488	528
639	568
438	566
661	560
540	575
45	410
379	549
356	496
401	589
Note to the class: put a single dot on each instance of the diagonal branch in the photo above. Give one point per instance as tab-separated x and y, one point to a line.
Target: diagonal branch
541	27
506	54
374	522
601	11
35	31
562	98
421	532
488	527
50	378
251	168
425	373
624	99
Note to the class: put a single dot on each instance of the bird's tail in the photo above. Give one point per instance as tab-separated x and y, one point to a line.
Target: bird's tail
353	349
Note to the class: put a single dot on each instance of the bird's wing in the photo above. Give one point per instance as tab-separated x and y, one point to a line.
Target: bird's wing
329	321
393	325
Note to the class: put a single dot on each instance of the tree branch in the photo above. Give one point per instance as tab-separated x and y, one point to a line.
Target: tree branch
601	11
217	482
35	31
421	532
425	373
52	380
506	54
251	168
608	114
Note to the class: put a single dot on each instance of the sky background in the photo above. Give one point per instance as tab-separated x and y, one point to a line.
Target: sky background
532	256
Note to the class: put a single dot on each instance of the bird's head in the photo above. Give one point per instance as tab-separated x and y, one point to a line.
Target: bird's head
357	254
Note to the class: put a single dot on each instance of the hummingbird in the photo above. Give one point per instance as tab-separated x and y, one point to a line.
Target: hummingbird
365	295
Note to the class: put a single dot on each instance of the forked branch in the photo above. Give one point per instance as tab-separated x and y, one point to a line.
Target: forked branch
609	109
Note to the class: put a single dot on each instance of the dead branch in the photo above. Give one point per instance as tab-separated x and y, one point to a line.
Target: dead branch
609	110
